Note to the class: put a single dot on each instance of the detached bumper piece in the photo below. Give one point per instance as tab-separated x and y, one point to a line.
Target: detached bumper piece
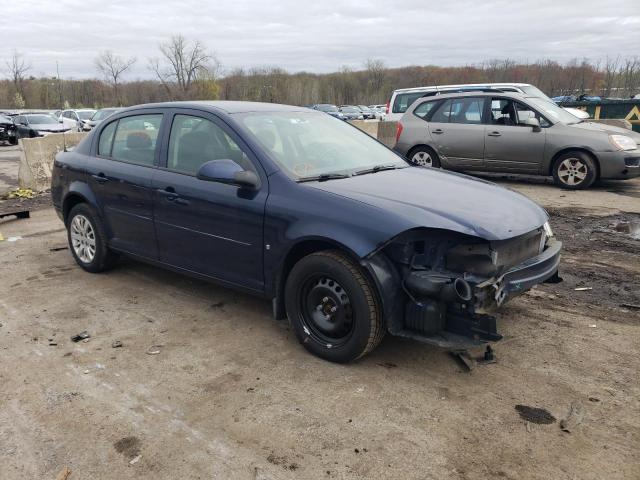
442	308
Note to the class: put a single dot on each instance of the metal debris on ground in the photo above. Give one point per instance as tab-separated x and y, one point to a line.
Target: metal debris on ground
80	336
116	344
573	418
583	289
154	350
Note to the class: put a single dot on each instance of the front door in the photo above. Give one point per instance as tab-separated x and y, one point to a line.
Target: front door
120	176
510	146
206	227
458	132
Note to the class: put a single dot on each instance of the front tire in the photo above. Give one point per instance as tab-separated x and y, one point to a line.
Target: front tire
87	240
424	157
333	307
574	171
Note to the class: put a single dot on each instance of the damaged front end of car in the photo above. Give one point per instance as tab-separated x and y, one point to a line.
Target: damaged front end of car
440	287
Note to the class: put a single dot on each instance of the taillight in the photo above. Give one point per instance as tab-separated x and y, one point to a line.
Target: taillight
387	108
399	128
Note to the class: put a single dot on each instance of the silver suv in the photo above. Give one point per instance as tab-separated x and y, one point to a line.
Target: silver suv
515	133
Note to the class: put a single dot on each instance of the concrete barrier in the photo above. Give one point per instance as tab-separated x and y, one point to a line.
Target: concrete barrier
383	131
36	158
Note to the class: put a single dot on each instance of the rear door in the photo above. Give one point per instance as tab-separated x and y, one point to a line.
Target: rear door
457	130
206	227
509	145
120	176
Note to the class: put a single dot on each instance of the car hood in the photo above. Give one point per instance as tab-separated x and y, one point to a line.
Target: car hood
50	127
603	127
435	199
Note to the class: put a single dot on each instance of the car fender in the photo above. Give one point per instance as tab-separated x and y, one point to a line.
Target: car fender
80	190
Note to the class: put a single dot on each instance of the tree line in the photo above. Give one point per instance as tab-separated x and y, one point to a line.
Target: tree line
186	70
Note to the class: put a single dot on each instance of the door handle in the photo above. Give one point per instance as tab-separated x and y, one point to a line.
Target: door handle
100	178
170	195
438	131
494	134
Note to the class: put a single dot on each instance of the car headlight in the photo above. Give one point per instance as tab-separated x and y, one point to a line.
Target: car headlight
622	142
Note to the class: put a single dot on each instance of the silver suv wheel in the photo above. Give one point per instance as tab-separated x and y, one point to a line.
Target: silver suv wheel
422	159
572	171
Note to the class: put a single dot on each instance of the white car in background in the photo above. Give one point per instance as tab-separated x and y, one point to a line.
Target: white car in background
379	110
402	98
76	118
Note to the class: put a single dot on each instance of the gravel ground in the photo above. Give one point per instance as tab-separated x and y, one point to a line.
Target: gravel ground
207	385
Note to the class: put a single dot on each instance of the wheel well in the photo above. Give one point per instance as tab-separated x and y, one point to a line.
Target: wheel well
298	252
70	202
573	149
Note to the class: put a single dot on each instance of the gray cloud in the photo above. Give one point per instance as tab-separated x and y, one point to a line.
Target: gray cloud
319	36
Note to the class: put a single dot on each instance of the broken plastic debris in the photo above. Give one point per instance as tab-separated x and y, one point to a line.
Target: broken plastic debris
81	336
154	350
116	344
583	289
135	460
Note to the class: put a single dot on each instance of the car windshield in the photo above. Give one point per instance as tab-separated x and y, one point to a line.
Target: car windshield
552	111
327	108
102	114
4	119
86	114
41	119
310	144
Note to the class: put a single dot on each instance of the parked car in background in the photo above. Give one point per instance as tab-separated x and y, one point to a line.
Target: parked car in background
98	117
402	99
511	132
367	113
351	113
7	130
379	110
29	125
75	119
342	235
329	109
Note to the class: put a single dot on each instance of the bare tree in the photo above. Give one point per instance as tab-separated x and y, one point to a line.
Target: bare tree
18	67
112	67
182	63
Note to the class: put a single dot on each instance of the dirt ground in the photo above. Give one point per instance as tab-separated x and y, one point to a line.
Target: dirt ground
207	385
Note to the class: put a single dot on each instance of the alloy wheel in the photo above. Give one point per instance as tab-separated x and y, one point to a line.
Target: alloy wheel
83	238
572	171
422	159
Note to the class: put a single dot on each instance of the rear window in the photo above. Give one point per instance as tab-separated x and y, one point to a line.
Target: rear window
404	101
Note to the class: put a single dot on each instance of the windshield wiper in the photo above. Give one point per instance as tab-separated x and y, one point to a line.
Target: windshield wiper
378	168
324	177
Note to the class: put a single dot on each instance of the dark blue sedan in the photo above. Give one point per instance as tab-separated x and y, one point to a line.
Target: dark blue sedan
344	237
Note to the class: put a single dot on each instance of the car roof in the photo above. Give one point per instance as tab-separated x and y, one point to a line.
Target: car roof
515	95
226	106
462	85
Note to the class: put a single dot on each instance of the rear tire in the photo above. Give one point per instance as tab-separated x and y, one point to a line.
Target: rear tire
574	171
424	157
333	307
87	240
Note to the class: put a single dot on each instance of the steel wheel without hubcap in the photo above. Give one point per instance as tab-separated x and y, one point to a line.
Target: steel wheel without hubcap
422	159
326	311
572	171
83	238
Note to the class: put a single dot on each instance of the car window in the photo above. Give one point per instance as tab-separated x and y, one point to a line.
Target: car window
135	139
524	111
466	110
404	101
106	139
441	115
20	119
503	112
195	140
423	109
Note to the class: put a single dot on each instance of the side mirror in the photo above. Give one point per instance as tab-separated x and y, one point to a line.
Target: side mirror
229	172
532	122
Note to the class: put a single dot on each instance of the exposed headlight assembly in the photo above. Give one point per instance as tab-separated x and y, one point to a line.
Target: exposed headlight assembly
622	142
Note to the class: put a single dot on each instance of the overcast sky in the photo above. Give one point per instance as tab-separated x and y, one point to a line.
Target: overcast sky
318	35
